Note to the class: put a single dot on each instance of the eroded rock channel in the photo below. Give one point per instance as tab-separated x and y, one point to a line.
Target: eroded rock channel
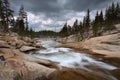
73	64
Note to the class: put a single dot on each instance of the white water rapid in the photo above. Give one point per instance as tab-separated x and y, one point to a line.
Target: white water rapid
68	58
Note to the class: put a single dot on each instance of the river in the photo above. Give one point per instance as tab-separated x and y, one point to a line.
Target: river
69	58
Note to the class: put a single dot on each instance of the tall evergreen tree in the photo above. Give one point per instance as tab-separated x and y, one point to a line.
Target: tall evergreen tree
95	25
117	12
97	17
84	22
88	20
101	17
64	31
75	27
111	17
101	22
87	24
22	22
1	14
6	14
22	13
69	30
81	30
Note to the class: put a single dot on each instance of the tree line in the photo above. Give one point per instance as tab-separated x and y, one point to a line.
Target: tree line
21	24
9	23
92	28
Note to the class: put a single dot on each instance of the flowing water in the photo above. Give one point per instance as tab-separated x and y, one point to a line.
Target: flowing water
68	58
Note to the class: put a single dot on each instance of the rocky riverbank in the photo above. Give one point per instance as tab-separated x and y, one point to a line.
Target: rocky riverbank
105	48
108	46
20	66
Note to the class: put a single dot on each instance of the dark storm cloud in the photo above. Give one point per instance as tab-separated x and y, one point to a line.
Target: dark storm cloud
81	5
57	6
36	6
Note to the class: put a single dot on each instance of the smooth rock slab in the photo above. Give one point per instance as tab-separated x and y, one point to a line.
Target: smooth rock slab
27	48
3	44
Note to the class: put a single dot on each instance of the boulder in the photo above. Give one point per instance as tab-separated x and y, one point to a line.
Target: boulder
29	67
20	43
3	44
12	43
28	70
38	46
9	38
27	39
27	48
17	44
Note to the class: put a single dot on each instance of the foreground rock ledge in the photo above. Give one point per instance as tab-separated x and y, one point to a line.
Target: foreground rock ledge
20	66
27	67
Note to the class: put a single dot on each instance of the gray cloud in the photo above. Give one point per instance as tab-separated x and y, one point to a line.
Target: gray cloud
56	6
59	10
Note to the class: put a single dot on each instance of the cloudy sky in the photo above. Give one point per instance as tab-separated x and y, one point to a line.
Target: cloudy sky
52	14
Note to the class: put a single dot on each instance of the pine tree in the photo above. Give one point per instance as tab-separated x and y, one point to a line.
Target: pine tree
111	17
69	30
64	31
101	22
6	14
95	25
98	23
97	17
22	22
84	23
81	30
88	20
117	12
101	17
22	13
1	14
87	24
75	27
